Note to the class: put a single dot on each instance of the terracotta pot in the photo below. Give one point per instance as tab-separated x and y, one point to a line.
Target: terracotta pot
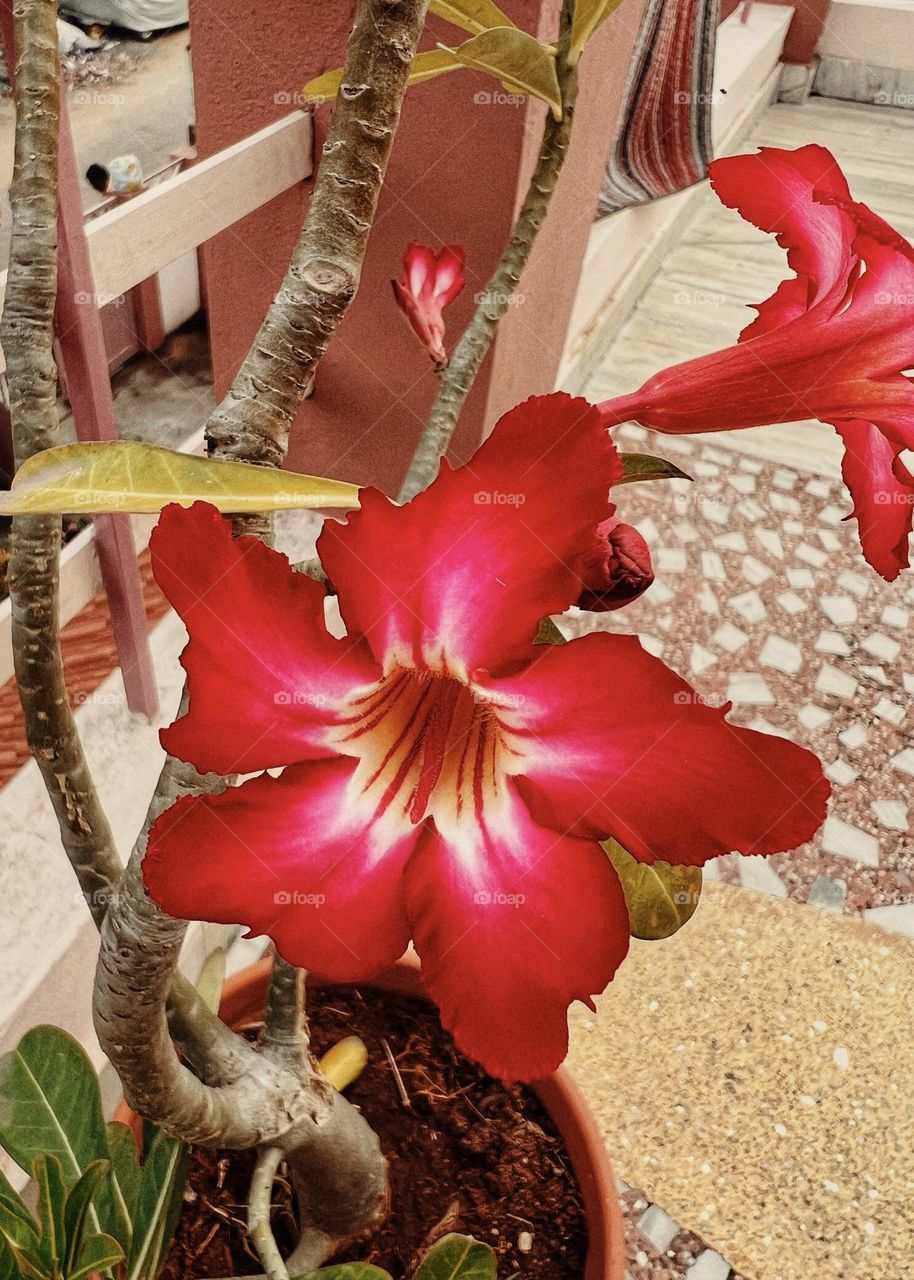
242	1004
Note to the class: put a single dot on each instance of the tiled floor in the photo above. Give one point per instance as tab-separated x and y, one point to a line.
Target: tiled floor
762	597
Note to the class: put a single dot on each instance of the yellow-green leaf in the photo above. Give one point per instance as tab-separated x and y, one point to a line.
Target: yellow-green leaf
212	976
124	475
344	1062
425	67
474	16
660	898
641	466
589	16
515	58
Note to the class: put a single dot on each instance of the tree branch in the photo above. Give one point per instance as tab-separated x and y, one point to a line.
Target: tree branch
467	357
253	420
26	334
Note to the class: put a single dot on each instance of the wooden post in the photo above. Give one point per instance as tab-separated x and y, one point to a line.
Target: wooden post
82	348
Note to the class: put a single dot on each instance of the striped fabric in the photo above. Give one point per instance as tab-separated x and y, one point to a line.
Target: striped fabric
664	140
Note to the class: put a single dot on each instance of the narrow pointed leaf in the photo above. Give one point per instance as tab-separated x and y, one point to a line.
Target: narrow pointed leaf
518	60
474	16
9	1267
98	1253
425	66
77	1208
660	898
641	466
52	1199
16	1221
158	1206
589	16
457	1257
125	1180
125	475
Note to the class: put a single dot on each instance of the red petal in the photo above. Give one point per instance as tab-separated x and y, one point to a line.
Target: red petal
419	265
299	858
774	190
264	675
514	922
449	273
609	741
883	493
465	572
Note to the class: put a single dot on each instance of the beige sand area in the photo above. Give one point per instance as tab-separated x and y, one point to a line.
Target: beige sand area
755	1075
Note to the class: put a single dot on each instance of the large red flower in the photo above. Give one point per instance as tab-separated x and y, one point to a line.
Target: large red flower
834	342
431	282
446	779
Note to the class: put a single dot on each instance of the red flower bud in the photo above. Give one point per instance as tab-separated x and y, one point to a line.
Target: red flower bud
617	570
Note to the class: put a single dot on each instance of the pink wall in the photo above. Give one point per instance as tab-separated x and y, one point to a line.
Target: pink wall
458	172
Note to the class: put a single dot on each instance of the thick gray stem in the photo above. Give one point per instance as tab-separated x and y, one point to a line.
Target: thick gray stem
26	333
470	352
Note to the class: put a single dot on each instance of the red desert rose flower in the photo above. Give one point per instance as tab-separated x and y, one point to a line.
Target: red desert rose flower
431	282
834	342
445	779
618	568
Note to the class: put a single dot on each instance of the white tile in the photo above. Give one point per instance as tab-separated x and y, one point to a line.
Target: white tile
754	571
750	605
847	841
855	583
791	603
810	555
839	610
891	814
813	717
731	542
882	647
749	687
659	1227
701	659
730	637
904	761
854	736
841	773
771	542
892	616
799	579
888	710
832	681
670	560
833	642
712	567
781	654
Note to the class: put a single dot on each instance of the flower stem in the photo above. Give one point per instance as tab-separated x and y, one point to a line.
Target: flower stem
284	1037
470	352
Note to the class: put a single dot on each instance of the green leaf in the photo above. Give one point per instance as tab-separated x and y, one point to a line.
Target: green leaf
641	466
426	66
125	475
660	898
125	1180
77	1209
9	1267
52	1199
457	1257
346	1271
98	1253
474	16
589	16
50	1105
518	60
158	1206
16	1221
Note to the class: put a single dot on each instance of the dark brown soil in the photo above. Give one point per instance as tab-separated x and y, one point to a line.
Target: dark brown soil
468	1154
